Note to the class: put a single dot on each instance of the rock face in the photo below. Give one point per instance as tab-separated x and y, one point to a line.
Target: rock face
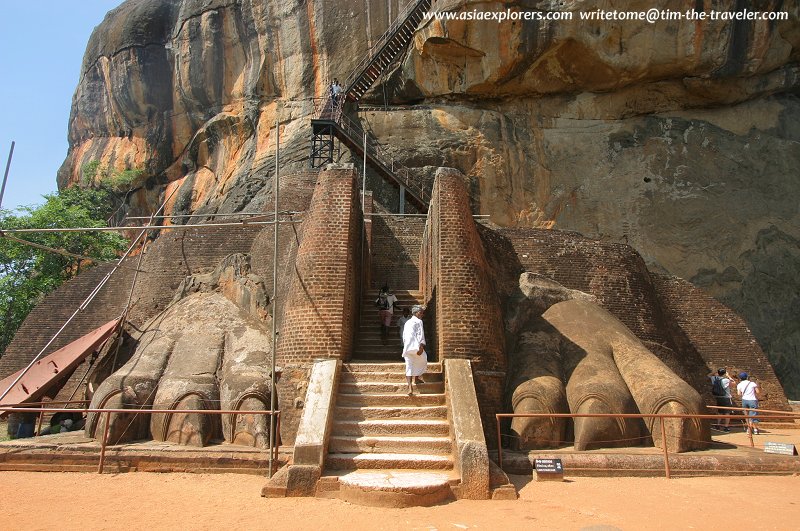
680	138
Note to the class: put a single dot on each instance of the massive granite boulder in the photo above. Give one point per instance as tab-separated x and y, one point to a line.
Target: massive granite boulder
677	137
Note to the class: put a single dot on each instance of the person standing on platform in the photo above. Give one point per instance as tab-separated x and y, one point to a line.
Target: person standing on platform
414	348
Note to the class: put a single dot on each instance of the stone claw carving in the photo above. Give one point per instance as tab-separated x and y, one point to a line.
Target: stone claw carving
204	352
576	357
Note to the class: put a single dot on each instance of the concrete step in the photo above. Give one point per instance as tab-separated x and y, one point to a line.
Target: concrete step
396	387
398	367
372	413
343	444
389	400
374	377
430	427
355	461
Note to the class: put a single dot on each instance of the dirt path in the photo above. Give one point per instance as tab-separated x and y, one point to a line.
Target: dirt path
196	501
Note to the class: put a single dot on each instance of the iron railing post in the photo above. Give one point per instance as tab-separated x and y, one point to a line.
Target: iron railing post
103	444
666	450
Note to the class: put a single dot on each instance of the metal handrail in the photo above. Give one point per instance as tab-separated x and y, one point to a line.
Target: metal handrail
401	19
658	416
325	109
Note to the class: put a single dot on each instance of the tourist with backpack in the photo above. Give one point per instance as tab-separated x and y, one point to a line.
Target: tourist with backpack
385	304
721	389
750	392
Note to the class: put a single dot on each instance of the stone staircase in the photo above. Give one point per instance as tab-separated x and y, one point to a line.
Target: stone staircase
369	345
387	448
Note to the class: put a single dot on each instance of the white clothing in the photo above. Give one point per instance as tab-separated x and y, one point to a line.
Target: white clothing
416	365
413	338
726	386
747	390
401	323
390	300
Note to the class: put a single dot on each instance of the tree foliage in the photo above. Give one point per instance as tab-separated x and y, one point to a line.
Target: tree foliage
27	274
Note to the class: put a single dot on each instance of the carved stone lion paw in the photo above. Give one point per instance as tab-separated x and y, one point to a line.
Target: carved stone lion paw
203	353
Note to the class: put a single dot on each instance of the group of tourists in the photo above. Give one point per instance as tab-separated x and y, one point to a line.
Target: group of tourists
412	333
746	388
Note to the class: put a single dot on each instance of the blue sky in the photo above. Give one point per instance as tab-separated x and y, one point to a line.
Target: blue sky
41	49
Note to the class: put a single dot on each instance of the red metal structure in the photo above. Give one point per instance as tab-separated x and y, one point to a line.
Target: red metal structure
49	370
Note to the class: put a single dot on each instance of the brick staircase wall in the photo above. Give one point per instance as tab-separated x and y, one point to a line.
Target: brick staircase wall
321	307
456	280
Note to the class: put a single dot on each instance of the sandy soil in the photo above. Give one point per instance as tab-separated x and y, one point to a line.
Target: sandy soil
195	501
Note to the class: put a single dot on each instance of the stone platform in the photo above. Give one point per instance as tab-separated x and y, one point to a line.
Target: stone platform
74	452
729	455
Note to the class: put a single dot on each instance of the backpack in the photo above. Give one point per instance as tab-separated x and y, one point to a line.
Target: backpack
382	302
716	386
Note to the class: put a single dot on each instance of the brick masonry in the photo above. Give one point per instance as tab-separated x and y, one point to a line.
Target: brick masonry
321	305
456	280
719	335
395	251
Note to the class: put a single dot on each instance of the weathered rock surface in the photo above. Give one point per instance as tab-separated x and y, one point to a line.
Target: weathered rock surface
678	137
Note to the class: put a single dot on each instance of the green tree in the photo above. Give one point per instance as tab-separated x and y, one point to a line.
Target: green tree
27	273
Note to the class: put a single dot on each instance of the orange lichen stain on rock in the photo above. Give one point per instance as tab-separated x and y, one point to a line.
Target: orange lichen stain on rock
319	83
264	137
171	193
569	65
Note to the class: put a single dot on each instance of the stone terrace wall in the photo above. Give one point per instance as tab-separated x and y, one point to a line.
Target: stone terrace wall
321	306
456	277
395	249
720	336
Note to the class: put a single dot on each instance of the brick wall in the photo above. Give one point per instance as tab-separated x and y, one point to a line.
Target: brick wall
395	251
320	313
720	336
456	277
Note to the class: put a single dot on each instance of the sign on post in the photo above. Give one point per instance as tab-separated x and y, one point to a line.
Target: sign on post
548	470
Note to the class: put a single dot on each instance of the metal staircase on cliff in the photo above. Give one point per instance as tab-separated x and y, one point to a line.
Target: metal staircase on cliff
330	120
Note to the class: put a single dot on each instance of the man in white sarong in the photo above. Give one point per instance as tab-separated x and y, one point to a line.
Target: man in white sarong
414	348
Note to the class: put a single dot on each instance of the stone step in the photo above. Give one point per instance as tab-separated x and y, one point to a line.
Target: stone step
374	377
390	388
372	413
343	444
397	367
389	399
428	427
356	461
389	488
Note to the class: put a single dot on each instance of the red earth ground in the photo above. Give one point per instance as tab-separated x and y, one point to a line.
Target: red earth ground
32	500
